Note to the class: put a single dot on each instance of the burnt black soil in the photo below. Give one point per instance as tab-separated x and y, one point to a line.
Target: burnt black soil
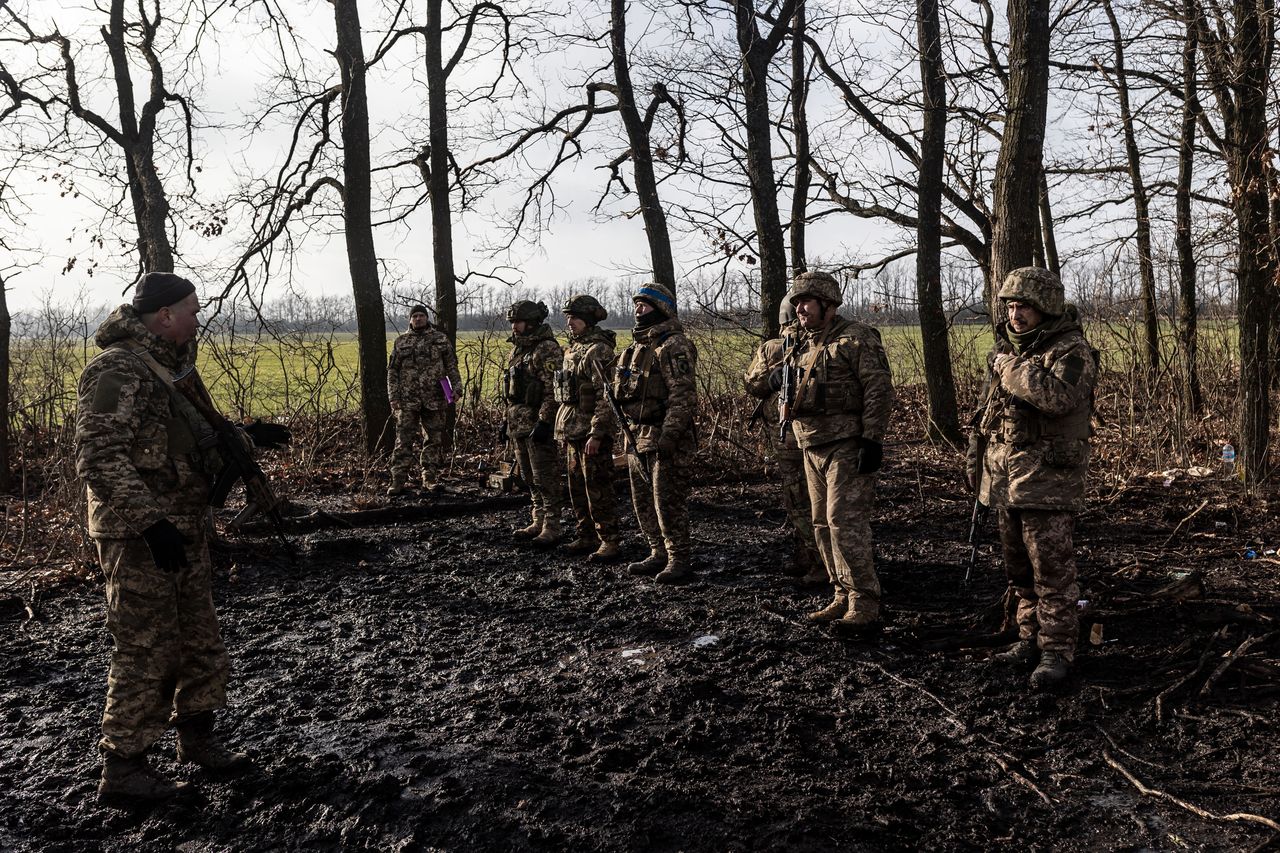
424	684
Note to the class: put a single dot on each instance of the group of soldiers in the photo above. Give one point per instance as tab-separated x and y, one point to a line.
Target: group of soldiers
148	461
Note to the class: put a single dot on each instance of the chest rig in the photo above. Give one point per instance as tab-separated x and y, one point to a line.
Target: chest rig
638	383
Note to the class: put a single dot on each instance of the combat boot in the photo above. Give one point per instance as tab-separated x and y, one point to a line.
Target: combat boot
522	534
678	571
133	782
583	545
550	533
606	553
1051	673
857	623
197	744
650	565
398	485
833	611
1022	655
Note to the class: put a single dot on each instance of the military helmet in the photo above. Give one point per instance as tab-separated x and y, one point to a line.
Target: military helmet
816	285
585	307
527	310
1037	287
662	299
786	313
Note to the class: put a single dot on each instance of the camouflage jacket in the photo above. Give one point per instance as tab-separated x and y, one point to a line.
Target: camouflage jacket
138	453
843	385
654	384
756	380
1031	438
584	409
419	360
528	386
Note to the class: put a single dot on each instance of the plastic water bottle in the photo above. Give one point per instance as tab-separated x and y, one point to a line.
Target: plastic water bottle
1228	460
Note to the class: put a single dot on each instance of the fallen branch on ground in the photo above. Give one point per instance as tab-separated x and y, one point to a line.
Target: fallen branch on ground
1234	817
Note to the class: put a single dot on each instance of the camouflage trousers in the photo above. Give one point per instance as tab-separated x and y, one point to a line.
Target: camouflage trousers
1039	558
412	424
795	500
595	507
662	505
842	500
168	660
539	464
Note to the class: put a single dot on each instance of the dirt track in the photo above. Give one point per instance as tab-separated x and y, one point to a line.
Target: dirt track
426	685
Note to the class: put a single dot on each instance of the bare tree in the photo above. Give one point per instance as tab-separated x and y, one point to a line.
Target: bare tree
1187	303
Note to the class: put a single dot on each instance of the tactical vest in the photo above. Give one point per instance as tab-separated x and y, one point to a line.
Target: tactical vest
574	389
1009	420
520	384
639	386
815	394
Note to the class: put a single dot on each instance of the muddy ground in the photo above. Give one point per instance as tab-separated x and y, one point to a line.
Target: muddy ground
420	683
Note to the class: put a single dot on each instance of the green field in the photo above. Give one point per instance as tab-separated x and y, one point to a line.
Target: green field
313	375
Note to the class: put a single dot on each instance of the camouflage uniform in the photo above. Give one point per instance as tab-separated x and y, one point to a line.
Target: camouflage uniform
138	451
790	459
585	413
654	384
529	391
419	360
1031	447
843	398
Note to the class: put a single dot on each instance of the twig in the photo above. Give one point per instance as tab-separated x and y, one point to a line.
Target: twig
1204	659
1204	503
1234	817
1023	780
1239	651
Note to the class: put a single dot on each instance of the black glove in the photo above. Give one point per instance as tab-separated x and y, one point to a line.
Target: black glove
269	436
775	378
542	432
870	456
167	546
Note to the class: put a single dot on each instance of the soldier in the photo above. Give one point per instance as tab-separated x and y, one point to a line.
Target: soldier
585	423
839	412
1030	452
421	359
760	380
528	387
148	461
655	388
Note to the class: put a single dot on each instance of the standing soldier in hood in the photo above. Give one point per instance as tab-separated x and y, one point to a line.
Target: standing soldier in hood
529	390
762	381
148	460
585	423
654	385
421	359
1031	453
839	410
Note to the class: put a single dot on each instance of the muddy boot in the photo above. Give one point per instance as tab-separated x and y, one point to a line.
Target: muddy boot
833	611
678	571
1022	655
197	744
608	552
1051	674
650	565
583	545
128	782
857	623
397	487
524	534
549	535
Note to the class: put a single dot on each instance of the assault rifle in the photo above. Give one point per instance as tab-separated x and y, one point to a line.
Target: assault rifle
977	520
787	393
238	463
627	433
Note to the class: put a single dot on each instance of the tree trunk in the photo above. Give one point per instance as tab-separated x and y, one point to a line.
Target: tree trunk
1015	215
655	218
437	161
756	54
944	422
362	257
5	366
1187	302
800	125
1046	227
1142	233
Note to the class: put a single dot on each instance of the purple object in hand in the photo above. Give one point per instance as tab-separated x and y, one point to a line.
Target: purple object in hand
447	387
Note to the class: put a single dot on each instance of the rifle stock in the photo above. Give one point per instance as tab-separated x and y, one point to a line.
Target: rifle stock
627	433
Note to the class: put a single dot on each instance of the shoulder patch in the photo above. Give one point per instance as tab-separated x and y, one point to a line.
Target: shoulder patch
1072	369
106	396
680	362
